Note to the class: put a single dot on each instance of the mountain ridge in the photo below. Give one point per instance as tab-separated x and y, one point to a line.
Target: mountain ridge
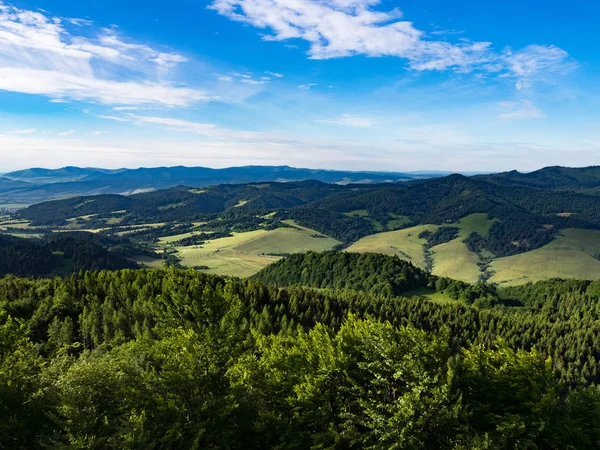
39	185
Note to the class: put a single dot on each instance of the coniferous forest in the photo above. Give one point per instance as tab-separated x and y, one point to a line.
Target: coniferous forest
180	359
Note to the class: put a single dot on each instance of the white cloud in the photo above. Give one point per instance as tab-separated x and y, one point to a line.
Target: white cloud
56	84
126	108
342	28
307	86
349	120
245	78
115	118
38	55
225	78
524	109
202	129
536	61
242	75
80	22
255	82
274	74
96	133
66	133
25	131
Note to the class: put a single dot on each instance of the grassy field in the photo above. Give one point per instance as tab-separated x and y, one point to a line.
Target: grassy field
88	217
244	254
20	224
288	240
452	259
431	295
147	261
568	256
475	222
404	243
222	257
26	235
177	237
398	222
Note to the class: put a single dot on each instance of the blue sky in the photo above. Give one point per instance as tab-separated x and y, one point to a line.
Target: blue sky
340	84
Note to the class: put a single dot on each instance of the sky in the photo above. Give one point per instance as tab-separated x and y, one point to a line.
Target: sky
394	85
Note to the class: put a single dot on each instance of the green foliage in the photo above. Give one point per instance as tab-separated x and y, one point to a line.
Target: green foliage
367	272
179	359
25	257
367	386
511	395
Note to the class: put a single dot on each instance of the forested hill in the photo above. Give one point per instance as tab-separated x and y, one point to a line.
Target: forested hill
179	359
525	218
369	272
584	179
182	203
59	255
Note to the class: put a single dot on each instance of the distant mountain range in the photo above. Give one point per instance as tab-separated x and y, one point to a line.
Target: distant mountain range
531	208
35	185
25	187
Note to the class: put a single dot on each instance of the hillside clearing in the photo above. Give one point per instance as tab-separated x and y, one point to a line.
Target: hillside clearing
149	262
244	254
571	255
478	223
454	260
406	244
430	294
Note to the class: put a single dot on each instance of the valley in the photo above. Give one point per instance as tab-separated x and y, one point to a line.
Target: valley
572	253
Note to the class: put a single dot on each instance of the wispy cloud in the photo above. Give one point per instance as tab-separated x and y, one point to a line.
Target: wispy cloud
274	74
255	82
524	109
307	86
535	62
80	22
207	130
39	55
350	120
246	78
66	133
24	131
126	108
115	118
199	128
343	28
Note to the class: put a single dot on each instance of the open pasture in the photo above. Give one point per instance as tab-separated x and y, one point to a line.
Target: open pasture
244	254
406	244
573	254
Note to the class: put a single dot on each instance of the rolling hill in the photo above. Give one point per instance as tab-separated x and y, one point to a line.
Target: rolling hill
37	185
506	231
555	177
